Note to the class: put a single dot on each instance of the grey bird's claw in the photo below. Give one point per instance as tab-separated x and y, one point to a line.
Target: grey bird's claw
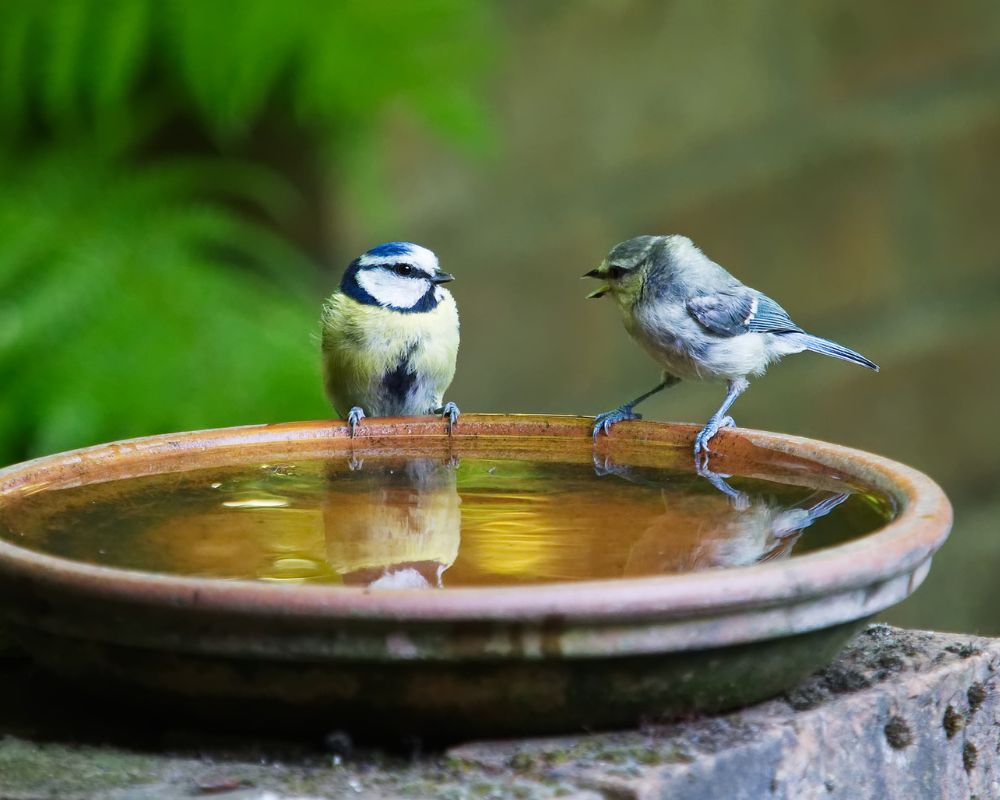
705	435
449	410
603	422
354	417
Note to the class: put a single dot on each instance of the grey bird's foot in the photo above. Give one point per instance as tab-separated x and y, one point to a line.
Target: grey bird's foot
603	422
354	417
449	410
712	427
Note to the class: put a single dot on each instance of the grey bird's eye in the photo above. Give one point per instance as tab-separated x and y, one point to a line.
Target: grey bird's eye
403	269
616	272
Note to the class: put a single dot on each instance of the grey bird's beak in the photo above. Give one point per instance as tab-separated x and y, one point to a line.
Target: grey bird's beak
596	273
442	277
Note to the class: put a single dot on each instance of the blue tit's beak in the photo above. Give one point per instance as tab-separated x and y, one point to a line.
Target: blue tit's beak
596	273
442	277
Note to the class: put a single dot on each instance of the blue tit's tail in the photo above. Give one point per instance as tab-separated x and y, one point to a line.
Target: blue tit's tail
828	348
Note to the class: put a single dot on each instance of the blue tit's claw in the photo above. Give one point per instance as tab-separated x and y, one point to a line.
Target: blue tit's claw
603	422
355	464
354	417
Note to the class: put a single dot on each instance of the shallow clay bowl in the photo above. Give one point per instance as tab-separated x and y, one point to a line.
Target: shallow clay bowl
464	661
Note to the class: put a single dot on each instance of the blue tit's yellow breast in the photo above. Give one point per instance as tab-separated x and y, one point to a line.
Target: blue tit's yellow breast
364	343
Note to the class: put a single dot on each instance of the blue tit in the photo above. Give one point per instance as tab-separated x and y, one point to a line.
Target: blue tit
698	322
390	336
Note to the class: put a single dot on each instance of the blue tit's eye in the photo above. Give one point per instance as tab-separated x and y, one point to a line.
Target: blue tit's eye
616	272
403	269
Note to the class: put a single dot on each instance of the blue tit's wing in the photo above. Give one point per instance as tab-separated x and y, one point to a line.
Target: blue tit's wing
731	312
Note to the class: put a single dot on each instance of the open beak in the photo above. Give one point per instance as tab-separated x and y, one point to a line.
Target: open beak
596	273
442	277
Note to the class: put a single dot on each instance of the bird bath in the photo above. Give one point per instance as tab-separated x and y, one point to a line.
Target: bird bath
509	579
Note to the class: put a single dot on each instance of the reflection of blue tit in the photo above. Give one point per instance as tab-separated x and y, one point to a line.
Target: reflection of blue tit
393	525
390	336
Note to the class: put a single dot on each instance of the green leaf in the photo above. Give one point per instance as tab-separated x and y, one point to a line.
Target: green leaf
129	309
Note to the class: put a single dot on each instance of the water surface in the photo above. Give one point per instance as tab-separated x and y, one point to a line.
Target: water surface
416	523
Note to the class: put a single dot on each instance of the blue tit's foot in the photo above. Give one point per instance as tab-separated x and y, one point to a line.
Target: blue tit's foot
705	435
603	422
449	410
354	417
354	464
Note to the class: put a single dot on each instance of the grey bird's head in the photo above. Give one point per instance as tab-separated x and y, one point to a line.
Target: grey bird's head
632	264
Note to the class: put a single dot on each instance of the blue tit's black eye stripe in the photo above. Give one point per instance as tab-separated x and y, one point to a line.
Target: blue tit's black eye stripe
616	272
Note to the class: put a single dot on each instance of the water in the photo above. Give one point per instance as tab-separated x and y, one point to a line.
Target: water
398	523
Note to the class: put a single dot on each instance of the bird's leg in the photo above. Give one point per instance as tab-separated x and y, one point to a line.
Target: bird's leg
449	410
624	412
719	419
354	417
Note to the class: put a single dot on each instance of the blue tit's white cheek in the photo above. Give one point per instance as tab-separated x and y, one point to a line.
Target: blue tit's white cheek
390	289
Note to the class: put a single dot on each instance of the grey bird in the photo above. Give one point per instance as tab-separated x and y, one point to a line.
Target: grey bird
699	323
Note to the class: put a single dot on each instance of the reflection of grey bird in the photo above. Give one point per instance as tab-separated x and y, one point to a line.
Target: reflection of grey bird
770	523
756	528
698	322
764	531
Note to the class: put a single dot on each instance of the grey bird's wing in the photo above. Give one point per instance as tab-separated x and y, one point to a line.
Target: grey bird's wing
731	312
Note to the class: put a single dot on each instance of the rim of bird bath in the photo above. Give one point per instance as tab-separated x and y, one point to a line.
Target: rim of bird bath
596	618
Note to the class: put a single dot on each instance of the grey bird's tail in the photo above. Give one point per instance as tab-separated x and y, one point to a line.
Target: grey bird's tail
828	348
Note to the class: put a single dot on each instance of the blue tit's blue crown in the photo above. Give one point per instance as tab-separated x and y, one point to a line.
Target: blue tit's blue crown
391	249
374	278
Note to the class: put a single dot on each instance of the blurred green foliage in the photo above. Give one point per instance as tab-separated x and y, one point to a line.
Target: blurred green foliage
149	280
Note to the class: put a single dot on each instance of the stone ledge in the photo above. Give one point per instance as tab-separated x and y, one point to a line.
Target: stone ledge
900	714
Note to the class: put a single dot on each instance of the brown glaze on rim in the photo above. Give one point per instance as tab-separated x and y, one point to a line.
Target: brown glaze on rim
609	617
